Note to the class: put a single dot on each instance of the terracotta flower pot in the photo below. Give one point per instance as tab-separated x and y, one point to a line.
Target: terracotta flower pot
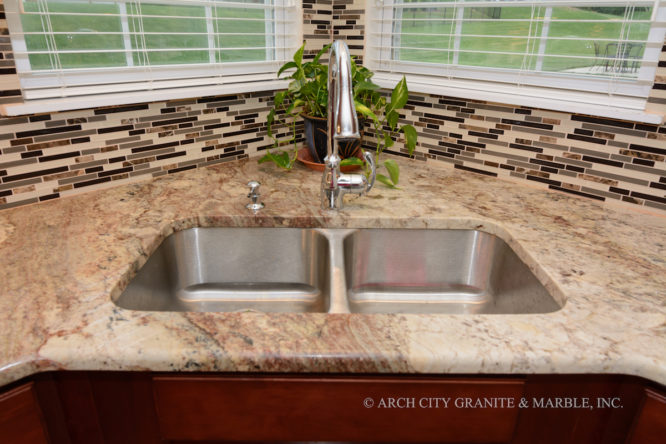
315	139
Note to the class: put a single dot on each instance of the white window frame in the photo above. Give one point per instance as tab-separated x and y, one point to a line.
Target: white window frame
47	91
619	98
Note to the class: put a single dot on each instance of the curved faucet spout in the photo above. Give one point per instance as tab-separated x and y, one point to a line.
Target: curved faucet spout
342	121
342	127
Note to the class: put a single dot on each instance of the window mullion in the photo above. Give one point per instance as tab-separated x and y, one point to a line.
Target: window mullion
460	15
127	39
210	29
544	38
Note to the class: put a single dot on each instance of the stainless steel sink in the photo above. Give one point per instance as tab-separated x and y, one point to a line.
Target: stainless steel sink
234	269
336	271
439	271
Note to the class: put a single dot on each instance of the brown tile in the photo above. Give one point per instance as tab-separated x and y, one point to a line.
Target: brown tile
572	156
603	135
538	174
21	190
551	121
40	146
544	157
84	159
107	149
643	155
63	175
590	178
548	139
569	186
24	141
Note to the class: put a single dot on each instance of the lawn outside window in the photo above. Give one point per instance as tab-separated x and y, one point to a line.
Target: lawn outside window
596	57
84	53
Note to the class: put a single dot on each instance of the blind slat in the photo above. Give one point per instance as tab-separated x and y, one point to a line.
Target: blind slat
76	47
605	47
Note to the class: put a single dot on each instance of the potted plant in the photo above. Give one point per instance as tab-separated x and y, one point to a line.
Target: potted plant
307	96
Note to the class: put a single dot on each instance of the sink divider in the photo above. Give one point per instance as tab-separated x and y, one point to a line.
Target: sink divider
338	284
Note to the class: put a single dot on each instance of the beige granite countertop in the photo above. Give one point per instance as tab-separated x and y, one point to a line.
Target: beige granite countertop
62	262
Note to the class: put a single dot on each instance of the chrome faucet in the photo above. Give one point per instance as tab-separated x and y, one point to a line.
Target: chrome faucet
342	127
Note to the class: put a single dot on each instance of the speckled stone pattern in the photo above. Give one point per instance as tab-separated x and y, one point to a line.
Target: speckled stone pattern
63	262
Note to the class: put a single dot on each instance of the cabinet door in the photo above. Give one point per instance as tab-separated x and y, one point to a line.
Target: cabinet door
333	409
650	424
20	417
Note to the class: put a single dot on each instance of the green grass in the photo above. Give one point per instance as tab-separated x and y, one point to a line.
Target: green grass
517	37
187	19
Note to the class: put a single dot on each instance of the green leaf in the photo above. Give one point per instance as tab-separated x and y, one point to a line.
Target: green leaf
400	94
280	159
279	98
385	180
269	122
410	137
364	86
295	104
298	56
286	66
321	52
351	161
365	111
392	119
393	170
388	142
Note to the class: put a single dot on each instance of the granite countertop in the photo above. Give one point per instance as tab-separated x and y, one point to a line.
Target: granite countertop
63	261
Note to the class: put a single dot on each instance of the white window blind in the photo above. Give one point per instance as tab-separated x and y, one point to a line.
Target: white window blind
73	48
601	53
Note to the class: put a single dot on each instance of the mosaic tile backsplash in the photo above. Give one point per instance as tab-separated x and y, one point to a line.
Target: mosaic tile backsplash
48	156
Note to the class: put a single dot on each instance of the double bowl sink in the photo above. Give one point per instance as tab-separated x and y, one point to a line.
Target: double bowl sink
336	271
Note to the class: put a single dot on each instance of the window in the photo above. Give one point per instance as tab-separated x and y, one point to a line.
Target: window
598	57
121	51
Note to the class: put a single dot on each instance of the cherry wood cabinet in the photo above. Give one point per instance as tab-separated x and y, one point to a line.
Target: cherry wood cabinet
332	409
145	408
21	420
650	423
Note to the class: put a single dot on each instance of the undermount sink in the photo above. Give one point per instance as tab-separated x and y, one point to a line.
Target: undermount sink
336	271
439	271
234	269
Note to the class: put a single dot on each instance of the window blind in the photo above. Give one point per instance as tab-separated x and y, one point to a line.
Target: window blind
69	48
601	52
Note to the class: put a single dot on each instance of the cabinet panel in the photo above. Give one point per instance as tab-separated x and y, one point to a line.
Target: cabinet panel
650	425
578	425
20	417
332	409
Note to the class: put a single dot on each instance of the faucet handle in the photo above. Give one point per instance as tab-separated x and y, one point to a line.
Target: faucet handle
370	158
254	195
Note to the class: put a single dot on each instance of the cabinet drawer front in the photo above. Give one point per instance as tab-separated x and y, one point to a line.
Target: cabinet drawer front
21	417
336	409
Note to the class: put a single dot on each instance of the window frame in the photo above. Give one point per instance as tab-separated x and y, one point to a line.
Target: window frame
617	98
93	87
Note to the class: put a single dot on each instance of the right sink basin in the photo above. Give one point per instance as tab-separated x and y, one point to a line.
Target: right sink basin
439	271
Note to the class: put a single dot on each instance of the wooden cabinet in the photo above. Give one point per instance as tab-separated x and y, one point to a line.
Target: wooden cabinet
650	424
21	420
146	408
358	409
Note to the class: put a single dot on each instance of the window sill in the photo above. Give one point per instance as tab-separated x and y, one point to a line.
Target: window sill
100	100
616	107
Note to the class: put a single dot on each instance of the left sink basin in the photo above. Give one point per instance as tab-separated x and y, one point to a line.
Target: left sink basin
234	270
